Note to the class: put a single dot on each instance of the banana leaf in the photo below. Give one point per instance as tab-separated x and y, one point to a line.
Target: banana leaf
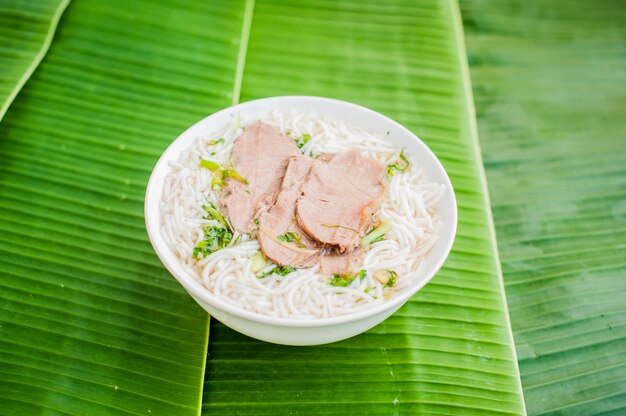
449	350
549	83
26	30
90	322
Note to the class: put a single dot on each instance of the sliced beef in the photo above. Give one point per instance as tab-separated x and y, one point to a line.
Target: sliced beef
280	219
260	154
338	198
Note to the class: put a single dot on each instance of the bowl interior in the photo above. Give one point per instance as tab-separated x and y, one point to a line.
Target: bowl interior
351	114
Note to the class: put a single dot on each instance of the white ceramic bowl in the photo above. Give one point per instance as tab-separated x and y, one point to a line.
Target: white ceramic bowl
291	331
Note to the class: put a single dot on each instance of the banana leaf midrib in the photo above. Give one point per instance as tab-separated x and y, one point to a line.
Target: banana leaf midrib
36	58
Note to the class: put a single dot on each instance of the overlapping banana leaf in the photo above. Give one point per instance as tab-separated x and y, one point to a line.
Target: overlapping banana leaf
26	30
550	87
449	350
90	322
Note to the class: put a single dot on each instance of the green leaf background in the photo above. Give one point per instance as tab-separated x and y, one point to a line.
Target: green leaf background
550	88
91	323
428	357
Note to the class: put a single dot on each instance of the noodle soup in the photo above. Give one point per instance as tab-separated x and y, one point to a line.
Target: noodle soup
403	232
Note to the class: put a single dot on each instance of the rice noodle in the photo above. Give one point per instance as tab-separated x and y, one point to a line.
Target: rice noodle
410	205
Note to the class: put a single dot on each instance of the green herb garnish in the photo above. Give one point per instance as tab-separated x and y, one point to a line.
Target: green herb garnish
303	140
401	165
256	220
289	237
209	164
214	214
279	270
377	239
221	173
258	262
377	234
217	181
343	280
393	276
386	277
214	142
292	237
216	236
232	173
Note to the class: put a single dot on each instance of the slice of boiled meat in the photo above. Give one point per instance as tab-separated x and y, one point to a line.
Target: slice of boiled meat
338	198
280	219
333	263
260	154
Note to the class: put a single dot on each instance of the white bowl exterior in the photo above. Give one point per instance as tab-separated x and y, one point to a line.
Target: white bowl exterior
280	334
291	331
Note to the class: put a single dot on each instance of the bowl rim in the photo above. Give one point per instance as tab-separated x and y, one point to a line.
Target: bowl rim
200	293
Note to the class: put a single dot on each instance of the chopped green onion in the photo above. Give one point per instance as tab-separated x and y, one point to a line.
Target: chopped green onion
279	270
386	277
214	214
217	180
404	159
377	234
216	236
376	240
343	280
303	140
400	166
258	262
214	142
285	244
220	173
209	164
291	237
232	173
256	220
